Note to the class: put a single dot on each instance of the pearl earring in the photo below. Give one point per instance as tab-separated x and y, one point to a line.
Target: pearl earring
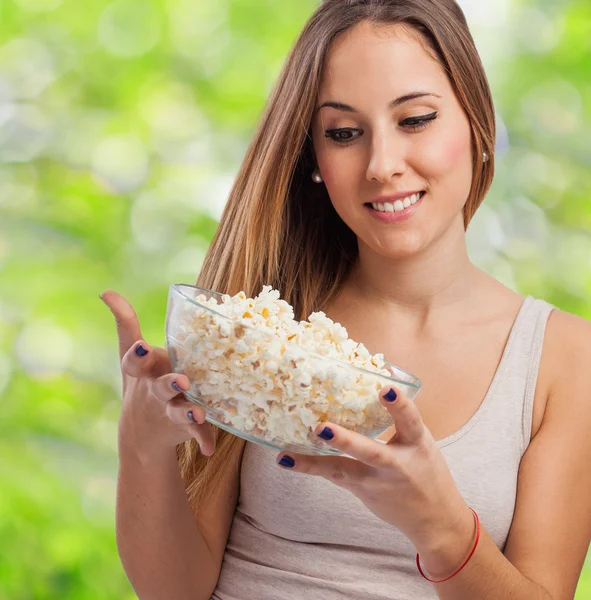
484	157
316	177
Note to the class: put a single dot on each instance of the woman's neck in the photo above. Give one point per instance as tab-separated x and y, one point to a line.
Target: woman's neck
421	289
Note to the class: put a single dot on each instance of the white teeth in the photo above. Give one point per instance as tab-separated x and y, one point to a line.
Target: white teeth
398	205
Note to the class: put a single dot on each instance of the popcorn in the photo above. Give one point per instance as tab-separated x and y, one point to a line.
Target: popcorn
270	376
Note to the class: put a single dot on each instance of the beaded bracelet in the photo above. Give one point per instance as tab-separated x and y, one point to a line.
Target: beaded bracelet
465	562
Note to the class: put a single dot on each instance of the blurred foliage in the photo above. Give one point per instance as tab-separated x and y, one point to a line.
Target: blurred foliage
122	125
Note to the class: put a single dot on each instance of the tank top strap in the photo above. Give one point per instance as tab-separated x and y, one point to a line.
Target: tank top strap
531	346
521	362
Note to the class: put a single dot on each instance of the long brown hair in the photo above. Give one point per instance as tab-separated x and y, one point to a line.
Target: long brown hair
273	228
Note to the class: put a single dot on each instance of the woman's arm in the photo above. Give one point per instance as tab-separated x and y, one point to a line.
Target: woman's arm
162	551
551	529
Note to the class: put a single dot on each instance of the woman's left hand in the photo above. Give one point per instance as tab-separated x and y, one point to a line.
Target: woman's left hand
405	482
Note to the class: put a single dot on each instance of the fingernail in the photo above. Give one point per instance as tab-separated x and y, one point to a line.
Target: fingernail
190	413
326	434
176	387
287	461
140	350
391	395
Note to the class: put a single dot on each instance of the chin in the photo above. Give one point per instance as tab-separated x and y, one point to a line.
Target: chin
399	253
397	246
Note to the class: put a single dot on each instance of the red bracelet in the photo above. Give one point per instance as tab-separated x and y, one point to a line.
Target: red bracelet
465	562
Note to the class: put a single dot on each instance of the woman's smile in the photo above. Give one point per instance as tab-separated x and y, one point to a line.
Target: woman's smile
400	210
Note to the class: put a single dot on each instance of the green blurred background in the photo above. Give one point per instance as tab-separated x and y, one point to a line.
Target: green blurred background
122	126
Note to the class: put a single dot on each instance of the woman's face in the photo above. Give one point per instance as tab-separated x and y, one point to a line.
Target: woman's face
370	148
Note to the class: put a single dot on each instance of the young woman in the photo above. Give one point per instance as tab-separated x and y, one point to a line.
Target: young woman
374	152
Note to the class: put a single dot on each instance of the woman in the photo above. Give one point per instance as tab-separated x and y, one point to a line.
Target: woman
375	151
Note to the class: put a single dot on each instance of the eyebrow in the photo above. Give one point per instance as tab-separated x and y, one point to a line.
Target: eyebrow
393	104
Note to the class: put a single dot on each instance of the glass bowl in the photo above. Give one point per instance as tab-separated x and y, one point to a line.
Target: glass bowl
267	390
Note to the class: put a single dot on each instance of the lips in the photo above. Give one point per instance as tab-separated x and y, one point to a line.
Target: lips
395	213
391	198
398	205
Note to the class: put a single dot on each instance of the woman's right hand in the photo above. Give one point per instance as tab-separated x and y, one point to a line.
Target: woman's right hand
154	415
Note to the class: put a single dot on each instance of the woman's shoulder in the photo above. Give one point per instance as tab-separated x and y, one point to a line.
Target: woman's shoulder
566	357
569	334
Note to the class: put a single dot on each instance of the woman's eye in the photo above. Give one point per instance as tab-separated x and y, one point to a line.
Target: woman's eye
420	122
342	137
346	135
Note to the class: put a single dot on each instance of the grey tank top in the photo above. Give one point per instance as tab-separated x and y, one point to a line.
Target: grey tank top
297	536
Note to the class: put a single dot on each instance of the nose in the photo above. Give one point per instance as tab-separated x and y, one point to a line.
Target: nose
387	159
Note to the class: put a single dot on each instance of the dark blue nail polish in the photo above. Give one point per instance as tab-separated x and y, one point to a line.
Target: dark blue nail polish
391	396
190	413
141	351
287	461
175	385
326	434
